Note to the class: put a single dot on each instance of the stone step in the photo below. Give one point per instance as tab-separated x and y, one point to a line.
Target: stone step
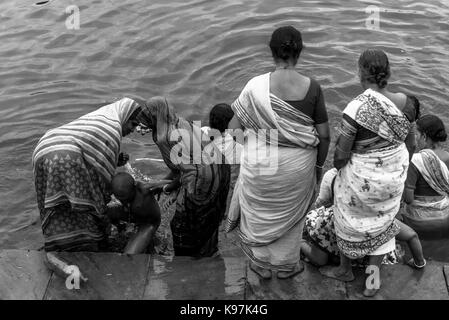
23	275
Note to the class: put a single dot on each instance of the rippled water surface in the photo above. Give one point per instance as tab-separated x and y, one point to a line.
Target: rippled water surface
197	53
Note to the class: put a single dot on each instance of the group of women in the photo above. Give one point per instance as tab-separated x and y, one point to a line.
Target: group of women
74	164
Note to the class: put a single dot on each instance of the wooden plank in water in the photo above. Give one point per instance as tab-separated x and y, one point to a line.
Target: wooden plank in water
196	279
307	285
23	275
110	276
402	282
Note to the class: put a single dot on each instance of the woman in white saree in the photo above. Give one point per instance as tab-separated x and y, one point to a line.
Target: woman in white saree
427	185
285	146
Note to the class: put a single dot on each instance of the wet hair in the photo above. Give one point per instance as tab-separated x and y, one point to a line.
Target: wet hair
219	116
417	106
123	184
432	127
374	67
286	43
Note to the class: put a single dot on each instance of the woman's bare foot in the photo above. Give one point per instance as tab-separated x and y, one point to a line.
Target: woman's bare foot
263	273
287	274
419	266
337	273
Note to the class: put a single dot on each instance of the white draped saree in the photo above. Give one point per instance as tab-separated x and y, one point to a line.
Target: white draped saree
277	178
429	215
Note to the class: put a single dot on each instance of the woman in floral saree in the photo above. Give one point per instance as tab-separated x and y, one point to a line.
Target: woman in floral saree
372	160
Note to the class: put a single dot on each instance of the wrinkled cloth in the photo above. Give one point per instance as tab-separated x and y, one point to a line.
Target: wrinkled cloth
73	166
429	215
201	199
368	189
276	184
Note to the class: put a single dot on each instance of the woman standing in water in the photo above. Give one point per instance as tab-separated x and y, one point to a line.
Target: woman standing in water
73	167
201	188
427	186
275	191
372	160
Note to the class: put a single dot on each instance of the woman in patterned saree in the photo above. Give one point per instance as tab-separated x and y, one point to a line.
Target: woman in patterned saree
73	167
427	186
201	188
372	160
279	173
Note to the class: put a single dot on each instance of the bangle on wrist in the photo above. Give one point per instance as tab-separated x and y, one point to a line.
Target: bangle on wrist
164	189
319	167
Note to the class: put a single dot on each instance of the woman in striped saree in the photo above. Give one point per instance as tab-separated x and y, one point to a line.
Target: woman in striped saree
286	143
202	188
372	159
73	167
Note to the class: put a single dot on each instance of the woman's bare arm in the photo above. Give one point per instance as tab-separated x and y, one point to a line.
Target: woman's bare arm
342	153
409	195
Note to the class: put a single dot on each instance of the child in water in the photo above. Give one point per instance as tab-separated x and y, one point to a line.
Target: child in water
223	148
139	206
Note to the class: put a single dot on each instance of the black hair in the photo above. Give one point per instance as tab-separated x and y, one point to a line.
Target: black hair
374	67
417	106
286	44
219	116
432	127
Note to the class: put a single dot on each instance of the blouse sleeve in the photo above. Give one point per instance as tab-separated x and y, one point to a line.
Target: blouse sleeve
412	177
320	112
409	110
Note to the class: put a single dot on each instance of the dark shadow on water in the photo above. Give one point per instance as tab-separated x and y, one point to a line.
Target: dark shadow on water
41	3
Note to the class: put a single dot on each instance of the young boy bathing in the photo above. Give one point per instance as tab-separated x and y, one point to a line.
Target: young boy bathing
223	148
140	206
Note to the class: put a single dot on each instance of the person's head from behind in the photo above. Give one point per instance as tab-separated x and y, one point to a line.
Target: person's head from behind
286	45
374	68
123	187
430	131
219	117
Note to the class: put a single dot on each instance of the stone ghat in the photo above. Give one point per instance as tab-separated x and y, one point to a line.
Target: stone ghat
23	275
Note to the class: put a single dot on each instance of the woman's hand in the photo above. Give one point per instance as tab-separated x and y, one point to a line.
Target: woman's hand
123	158
142	129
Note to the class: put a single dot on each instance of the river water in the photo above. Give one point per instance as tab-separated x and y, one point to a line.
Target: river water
197	54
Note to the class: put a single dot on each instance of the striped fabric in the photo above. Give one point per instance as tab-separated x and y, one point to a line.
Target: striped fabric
93	139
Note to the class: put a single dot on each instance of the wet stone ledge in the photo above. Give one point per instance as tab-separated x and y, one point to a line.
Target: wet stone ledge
23	275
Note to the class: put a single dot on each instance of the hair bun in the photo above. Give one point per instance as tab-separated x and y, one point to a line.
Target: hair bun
441	135
289	45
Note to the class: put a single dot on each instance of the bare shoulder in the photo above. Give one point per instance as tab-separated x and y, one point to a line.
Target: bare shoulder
143	187
304	80
399	99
